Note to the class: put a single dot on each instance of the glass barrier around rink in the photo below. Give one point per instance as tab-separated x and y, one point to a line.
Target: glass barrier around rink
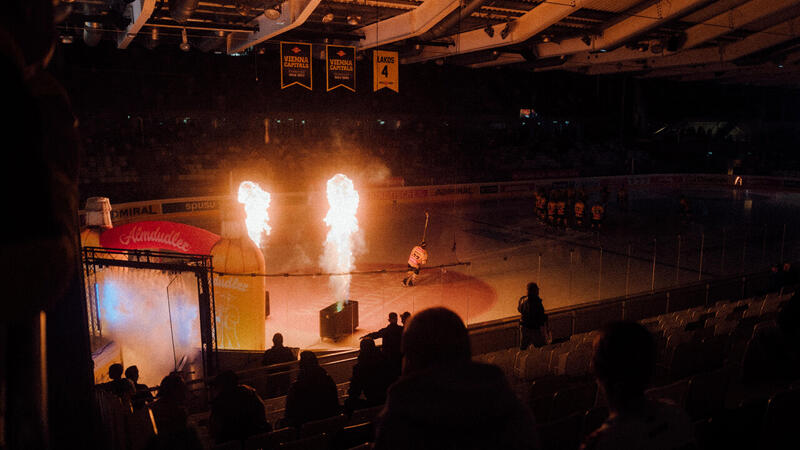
573	268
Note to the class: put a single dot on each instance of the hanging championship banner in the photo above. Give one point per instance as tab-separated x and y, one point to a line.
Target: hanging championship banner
341	67
296	65
385	73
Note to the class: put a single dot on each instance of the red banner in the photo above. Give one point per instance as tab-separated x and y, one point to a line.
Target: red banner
160	235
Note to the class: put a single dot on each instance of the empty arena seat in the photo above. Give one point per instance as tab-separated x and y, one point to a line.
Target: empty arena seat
593	418
707	391
265	441
230	445
364	446
781	418
578	361
532	364
354	435
540	407
330	425
684	359
365	415
675	392
562	434
739	427
653	326
771	303
317	442
573	399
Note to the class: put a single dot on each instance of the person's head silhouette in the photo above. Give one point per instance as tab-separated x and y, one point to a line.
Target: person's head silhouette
434	337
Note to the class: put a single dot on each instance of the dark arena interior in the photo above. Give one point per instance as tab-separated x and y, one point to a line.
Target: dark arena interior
401	224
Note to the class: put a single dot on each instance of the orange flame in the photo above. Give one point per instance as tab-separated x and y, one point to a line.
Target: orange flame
341	218
256	203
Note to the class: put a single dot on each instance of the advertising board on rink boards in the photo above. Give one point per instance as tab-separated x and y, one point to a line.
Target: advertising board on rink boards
209	207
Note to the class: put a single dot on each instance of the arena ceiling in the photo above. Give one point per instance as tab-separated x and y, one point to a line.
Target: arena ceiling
732	41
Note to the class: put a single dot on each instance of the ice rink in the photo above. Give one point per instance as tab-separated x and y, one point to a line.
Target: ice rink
731	231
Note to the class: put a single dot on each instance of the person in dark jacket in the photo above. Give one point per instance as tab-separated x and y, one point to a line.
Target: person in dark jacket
170	414
533	319
237	411
142	394
313	396
444	400
371	376
391	335
278	384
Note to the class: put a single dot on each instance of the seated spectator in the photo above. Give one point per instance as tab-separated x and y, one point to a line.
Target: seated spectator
313	396
404	318
170	416
773	355
142	393
623	362
371	375
278	385
237	411
390	346
121	387
445	400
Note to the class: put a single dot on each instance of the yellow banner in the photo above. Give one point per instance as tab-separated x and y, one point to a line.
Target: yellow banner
385	68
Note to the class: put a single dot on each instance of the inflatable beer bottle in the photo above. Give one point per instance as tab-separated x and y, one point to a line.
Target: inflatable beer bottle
239	299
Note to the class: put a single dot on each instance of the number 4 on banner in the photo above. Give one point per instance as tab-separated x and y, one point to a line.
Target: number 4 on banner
385	70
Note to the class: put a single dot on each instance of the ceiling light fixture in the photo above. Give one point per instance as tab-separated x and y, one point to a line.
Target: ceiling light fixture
67	39
353	20
184	41
327	18
546	38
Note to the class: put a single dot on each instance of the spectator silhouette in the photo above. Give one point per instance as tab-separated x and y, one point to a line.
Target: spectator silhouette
121	387
444	400
278	385
371	376
313	396
533	319
237	411
391	336
404	318
142	393
170	415
623	362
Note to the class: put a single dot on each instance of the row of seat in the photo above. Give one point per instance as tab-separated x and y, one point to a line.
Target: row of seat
757	423
333	433
700	325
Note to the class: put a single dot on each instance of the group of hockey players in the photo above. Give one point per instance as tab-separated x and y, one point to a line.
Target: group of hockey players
570	208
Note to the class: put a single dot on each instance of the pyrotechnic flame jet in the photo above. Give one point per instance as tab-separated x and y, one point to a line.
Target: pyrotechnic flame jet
341	218
256	203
